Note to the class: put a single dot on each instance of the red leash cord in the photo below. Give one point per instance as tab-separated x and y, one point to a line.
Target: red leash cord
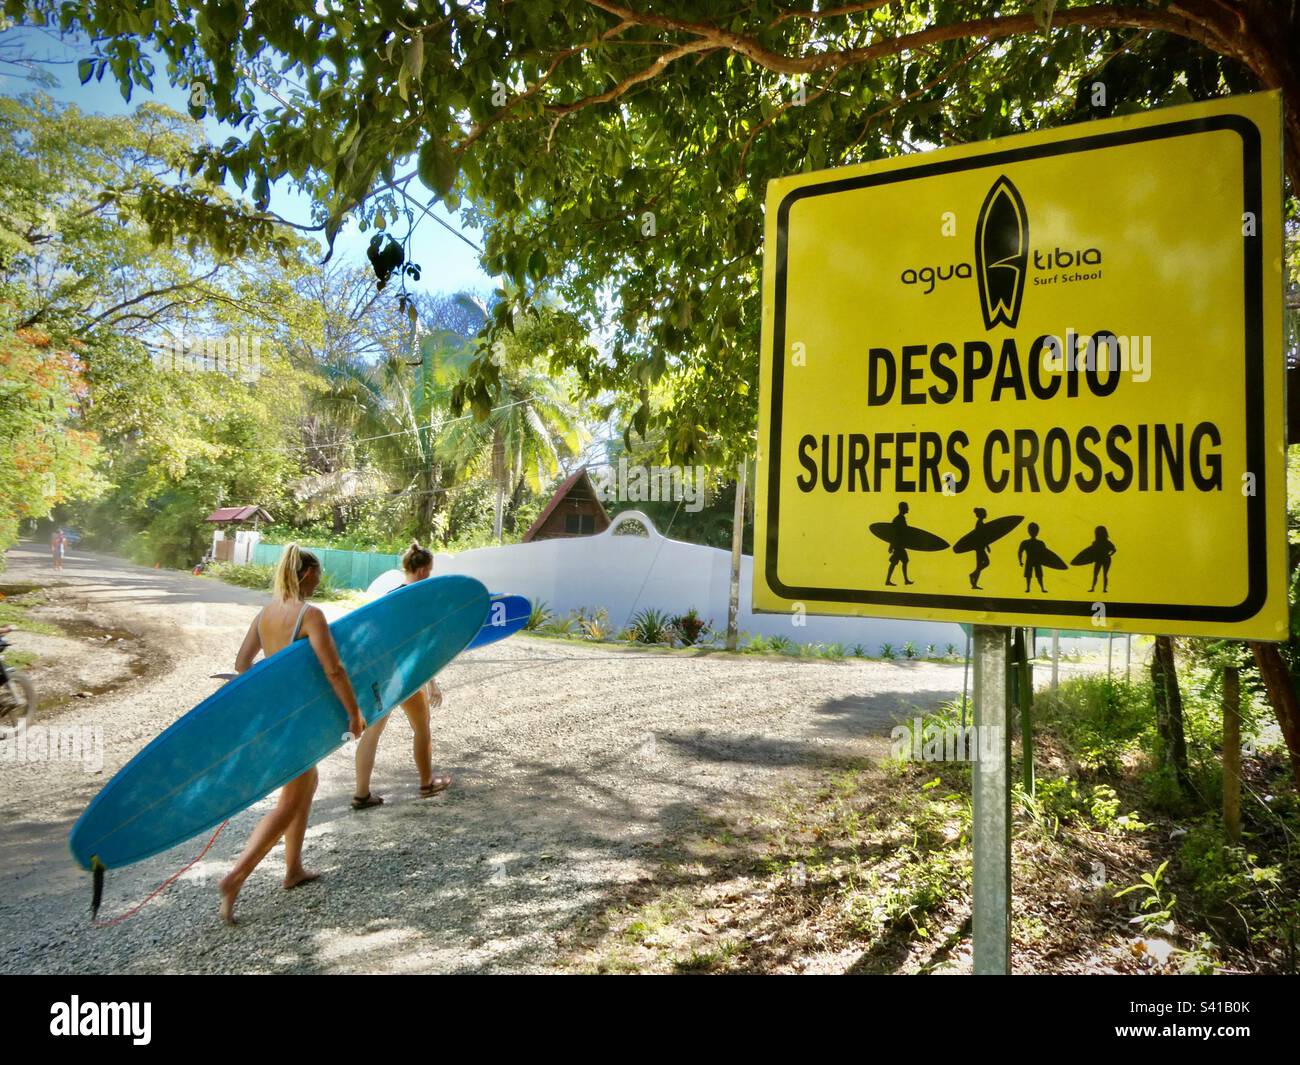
163	886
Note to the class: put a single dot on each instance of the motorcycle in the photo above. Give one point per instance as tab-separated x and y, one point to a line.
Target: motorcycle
17	693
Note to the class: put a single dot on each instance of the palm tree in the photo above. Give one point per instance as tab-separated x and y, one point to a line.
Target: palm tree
398	407
531	427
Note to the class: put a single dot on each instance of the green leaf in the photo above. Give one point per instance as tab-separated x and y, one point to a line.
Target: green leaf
437	166
413	59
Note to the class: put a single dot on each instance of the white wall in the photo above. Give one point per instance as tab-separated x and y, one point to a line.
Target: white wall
245	541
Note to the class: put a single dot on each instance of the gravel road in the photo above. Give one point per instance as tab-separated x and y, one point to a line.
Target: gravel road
571	762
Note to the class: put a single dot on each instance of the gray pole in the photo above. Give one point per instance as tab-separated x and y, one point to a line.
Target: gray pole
965	669
991	795
1056	658
737	541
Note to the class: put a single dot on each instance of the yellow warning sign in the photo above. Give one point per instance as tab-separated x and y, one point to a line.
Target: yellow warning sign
1033	381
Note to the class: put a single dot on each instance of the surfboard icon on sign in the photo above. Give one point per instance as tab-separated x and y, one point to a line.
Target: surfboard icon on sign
1002	253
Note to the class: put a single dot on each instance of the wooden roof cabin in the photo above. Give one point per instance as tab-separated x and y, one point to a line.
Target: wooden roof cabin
238	516
574	510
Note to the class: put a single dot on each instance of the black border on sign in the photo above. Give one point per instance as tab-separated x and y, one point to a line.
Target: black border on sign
1256	515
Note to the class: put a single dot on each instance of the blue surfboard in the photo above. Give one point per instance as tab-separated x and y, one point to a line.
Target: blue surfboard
275	722
506	615
501	621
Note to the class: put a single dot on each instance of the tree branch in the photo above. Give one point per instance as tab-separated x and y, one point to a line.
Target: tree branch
149	295
1097	16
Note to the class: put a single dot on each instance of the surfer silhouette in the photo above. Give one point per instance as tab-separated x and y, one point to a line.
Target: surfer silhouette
902	538
982	536
1034	555
1098	554
898	549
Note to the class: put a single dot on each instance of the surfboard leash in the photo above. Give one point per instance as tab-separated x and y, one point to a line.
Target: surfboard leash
99	869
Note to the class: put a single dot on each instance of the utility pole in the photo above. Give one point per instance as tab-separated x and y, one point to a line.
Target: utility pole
991	801
737	544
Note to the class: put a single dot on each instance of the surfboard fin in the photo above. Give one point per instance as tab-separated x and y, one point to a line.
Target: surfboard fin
97	869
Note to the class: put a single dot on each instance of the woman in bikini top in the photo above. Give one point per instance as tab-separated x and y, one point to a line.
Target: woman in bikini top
417	564
289	617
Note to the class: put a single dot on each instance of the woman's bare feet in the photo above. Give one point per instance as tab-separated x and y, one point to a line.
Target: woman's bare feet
299	877
229	889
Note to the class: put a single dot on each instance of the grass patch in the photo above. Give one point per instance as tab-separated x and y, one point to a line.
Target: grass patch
259	576
15	610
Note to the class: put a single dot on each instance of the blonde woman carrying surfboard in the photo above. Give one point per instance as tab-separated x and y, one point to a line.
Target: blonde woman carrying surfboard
417	564
286	619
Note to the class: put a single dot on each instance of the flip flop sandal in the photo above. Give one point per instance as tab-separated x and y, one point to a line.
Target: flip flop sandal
367	801
440	784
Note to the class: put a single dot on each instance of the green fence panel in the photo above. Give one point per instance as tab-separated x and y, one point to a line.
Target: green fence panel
267	554
346	569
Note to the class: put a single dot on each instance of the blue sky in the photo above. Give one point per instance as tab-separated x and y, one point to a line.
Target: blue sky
446	263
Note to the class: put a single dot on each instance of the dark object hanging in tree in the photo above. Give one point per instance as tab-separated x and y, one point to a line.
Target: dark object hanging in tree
385	256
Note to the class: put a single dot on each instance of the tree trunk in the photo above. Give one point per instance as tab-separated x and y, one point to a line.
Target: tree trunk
512	508
425	505
499	474
1282	696
442	500
1169	710
338	520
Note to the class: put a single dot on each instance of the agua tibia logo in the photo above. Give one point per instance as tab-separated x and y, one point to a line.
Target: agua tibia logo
103	1018
1001	253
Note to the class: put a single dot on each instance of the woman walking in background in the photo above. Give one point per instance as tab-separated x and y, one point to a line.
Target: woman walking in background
286	619
58	547
417	564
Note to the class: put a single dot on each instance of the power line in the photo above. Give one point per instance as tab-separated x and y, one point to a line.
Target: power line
387	436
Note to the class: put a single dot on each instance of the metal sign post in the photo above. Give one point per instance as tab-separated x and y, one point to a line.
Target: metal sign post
991	795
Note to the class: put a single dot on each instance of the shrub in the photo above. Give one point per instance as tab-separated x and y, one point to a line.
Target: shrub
245	574
259	576
1229	884
594	626
909	649
558	626
887	651
538	616
651	626
1099	719
690	627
